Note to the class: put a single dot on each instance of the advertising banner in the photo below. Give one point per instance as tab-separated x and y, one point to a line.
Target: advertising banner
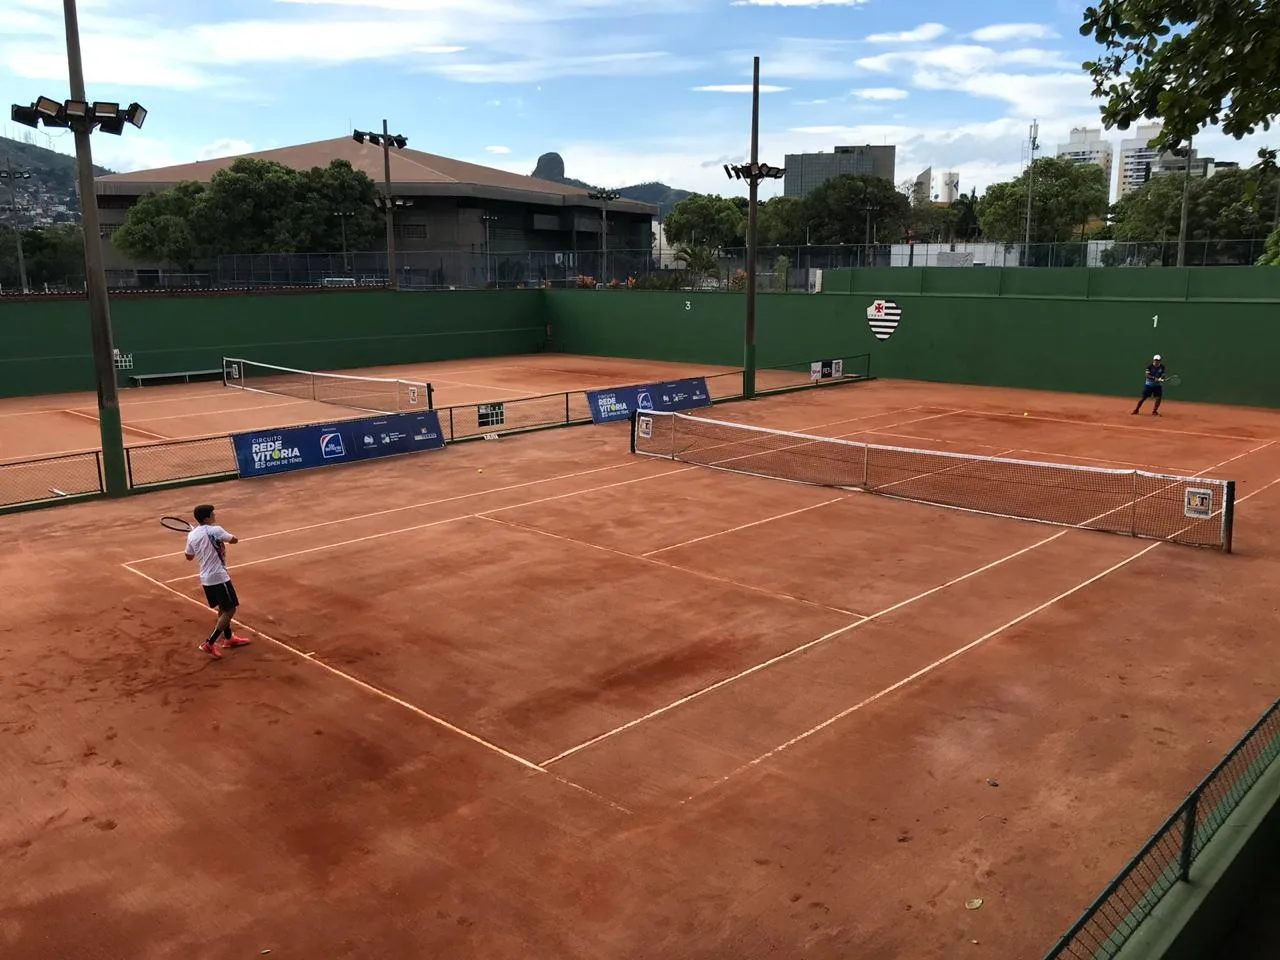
261	453
617	403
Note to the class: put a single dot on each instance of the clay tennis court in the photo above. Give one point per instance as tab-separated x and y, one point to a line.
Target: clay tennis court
589	704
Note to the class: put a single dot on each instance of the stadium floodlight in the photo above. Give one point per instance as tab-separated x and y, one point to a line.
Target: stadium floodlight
113	124
386	141
47	107
136	114
27	116
76	110
104	110
605	197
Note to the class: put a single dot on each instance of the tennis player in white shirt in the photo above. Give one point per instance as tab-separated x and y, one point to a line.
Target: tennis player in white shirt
207	542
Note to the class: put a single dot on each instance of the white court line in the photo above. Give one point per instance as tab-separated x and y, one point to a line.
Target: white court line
941	661
209	413
123	426
439	721
422	526
745	526
688	571
1112	426
423	503
875	616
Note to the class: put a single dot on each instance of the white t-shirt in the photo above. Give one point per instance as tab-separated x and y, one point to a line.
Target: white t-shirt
205	543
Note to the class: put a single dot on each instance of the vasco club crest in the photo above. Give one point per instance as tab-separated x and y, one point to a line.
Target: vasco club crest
883	317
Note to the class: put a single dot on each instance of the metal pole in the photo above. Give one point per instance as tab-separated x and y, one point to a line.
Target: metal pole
1186	192
604	241
391	233
1031	176
749	347
17	227
116	481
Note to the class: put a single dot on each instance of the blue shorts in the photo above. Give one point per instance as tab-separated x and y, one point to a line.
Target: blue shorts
1152	390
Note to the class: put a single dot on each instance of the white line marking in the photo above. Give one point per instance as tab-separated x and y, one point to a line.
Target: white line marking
925	670
1112	426
940	662
701	574
123	426
364	685
424	503
875	616
744	526
420	526
209	413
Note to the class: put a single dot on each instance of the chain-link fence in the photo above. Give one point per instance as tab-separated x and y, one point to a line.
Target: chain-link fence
151	464
50	478
1167	857
662	266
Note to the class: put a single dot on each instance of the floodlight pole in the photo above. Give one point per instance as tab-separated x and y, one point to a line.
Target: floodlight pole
1186	194
17	227
753	173
391	230
604	196
113	457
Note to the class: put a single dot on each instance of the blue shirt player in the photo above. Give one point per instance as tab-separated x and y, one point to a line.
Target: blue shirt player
1152	385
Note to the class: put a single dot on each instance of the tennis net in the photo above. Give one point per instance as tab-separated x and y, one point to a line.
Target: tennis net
1190	510
374	394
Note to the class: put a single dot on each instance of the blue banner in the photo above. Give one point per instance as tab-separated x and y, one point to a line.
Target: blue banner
618	403
262	453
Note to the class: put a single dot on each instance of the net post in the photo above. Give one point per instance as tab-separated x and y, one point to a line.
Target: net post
634	422
1228	514
866	466
566	412
451	423
431	396
1133	507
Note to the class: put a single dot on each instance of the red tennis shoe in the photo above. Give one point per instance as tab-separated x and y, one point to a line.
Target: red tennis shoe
235	641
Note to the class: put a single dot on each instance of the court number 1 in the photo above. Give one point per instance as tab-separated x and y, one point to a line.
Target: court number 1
688	305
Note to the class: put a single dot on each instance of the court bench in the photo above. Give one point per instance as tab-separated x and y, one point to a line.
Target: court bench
180	376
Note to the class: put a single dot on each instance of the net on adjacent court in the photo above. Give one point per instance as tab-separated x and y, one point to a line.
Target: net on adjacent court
1192	510
374	394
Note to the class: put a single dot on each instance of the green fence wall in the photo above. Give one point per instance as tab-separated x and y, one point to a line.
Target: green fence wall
1088	331
45	344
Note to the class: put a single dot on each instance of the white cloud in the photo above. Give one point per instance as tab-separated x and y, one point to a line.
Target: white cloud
737	88
879	93
498	149
921	34
643	63
803	58
1002	32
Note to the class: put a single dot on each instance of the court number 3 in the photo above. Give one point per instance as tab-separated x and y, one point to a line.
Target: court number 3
688	305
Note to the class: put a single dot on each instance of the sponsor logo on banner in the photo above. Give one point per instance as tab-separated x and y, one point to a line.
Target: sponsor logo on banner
826	369
269	453
883	317
331	446
643	400
619	403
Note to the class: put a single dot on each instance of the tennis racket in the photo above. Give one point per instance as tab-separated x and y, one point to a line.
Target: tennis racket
1171	380
176	523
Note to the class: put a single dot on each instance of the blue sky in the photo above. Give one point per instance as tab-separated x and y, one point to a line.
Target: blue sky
625	91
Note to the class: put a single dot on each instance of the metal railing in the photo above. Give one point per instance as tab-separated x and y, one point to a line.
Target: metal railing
212	458
1166	859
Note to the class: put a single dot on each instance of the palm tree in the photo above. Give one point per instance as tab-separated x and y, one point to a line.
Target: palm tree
966	211
700	260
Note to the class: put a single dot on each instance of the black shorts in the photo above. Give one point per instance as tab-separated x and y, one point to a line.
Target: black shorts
222	596
1155	390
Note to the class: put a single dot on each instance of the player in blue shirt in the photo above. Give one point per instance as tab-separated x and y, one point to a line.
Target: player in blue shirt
1152	385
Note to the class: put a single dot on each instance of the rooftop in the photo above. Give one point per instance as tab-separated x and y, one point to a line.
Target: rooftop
413	173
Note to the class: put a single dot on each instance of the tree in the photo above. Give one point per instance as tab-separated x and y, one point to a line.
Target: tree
1224	68
52	254
254	206
782	222
699	259
1271	254
1064	197
856	209
965	208
706	220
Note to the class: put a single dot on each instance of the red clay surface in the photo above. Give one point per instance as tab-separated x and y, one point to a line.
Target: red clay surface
588	705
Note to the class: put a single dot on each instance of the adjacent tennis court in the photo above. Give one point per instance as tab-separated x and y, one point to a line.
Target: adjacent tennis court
542	696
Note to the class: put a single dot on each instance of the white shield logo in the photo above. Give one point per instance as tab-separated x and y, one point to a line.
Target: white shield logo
883	317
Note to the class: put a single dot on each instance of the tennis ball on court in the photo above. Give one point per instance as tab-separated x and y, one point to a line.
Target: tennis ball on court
1024	413
479	469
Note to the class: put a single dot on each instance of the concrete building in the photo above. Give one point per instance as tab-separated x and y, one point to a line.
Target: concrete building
807	171
1087	145
1135	155
456	223
949	190
922	188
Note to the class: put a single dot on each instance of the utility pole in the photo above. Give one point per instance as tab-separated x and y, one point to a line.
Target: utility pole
1031	176
605	197
386	141
1186	194
12	177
